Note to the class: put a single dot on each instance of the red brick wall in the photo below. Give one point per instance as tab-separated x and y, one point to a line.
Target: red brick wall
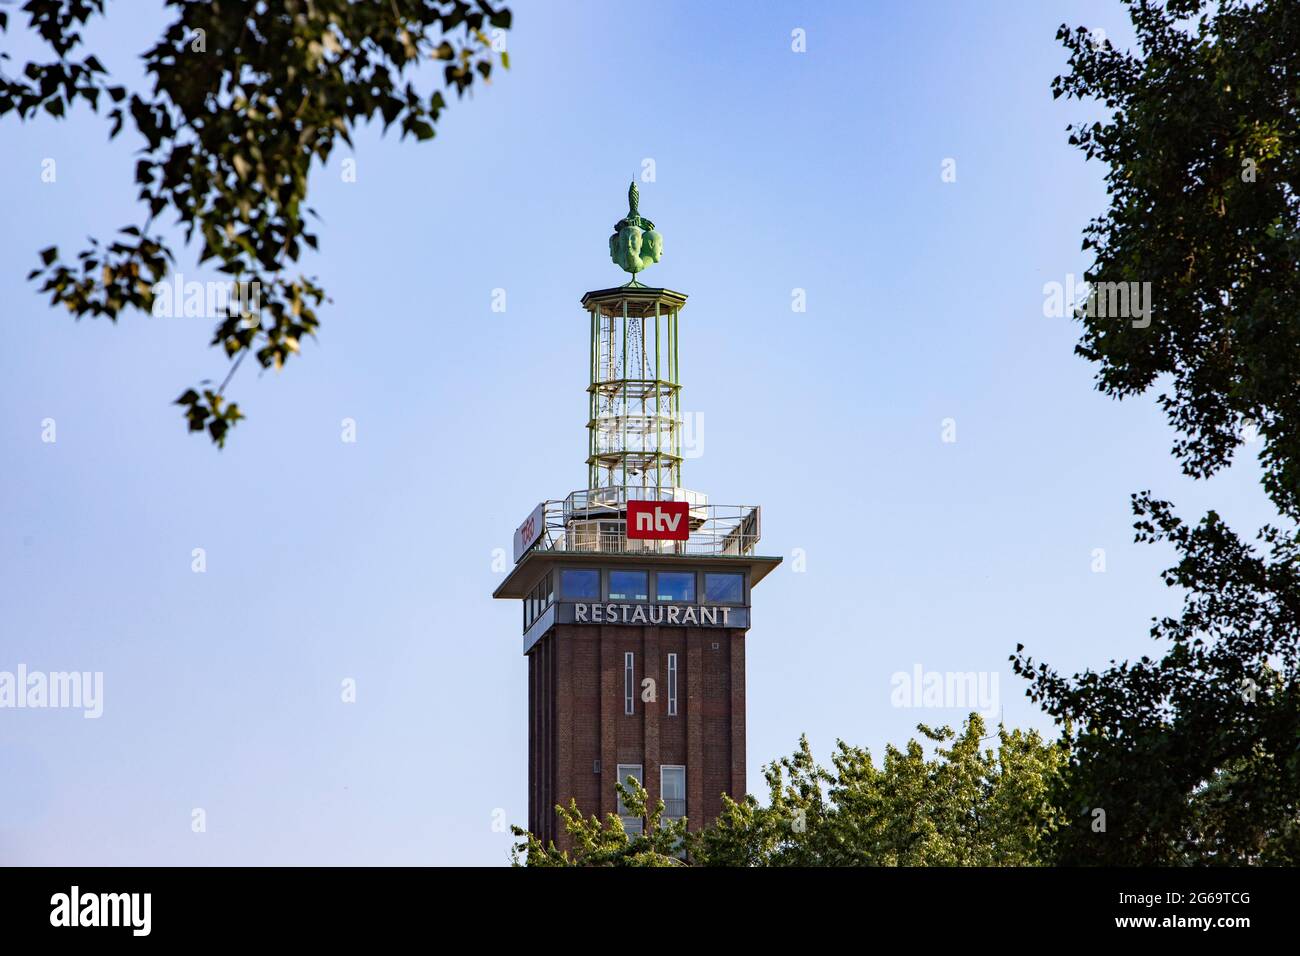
576	717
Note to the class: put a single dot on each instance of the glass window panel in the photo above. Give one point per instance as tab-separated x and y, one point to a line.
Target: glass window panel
724	588
580	584
628	586
672	787
675	585
630	824
672	685
674	783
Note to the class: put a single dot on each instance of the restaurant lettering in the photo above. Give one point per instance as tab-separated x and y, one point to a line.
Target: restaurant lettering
670	614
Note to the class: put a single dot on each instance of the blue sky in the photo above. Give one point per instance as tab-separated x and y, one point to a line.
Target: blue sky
372	560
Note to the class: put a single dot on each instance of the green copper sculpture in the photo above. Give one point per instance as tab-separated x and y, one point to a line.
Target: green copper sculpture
635	246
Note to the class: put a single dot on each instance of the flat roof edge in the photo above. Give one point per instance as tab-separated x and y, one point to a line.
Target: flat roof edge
521	578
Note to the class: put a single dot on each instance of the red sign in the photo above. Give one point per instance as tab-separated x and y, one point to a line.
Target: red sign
530	530
659	520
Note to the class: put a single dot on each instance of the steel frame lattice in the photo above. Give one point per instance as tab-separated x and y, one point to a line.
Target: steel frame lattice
634	423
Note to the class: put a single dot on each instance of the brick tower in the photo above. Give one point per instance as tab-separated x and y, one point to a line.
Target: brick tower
635	590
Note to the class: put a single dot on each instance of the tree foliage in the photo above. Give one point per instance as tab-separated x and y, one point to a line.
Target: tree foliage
964	805
1202	149
1193	756
246	96
660	843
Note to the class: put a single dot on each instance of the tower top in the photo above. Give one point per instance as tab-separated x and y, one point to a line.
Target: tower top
635	245
637	438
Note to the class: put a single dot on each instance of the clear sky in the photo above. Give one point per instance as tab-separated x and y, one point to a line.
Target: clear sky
373	560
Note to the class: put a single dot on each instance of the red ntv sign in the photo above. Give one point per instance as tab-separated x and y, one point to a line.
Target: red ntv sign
659	520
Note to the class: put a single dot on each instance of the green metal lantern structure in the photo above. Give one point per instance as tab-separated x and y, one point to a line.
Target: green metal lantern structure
634	422
634	425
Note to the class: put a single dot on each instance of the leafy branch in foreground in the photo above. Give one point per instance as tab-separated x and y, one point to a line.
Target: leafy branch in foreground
246	95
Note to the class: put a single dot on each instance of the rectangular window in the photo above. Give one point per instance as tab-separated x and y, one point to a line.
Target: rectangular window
625	770
580	584
675	585
629	684
672	685
672	788
539	599
628	586
724	588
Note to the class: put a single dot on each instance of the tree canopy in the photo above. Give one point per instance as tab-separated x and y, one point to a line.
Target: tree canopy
246	96
1193	755
661	842
964	804
1202	157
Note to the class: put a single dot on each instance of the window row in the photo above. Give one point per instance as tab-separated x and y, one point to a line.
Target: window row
672	790
539	599
719	587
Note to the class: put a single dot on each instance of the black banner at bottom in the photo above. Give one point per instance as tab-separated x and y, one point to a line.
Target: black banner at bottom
338	905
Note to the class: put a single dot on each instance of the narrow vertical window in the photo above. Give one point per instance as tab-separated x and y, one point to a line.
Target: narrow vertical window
672	790
672	685
631	824
628	684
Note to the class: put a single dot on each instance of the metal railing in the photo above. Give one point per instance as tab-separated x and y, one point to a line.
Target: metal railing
593	521
674	807
590	499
